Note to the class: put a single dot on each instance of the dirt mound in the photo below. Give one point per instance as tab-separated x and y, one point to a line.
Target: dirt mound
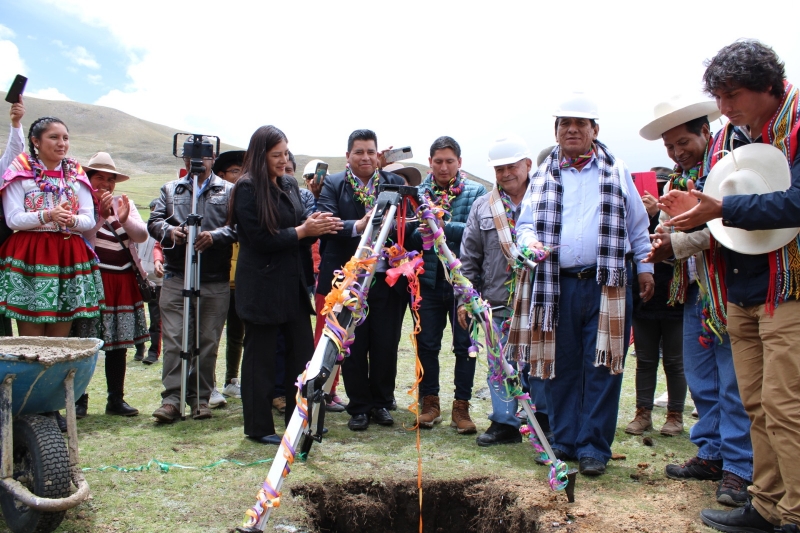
478	504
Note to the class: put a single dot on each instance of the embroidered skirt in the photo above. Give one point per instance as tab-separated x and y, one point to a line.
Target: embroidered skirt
124	323
45	277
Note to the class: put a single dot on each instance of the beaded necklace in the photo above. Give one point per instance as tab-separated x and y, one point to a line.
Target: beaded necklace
443	197
362	192
578	162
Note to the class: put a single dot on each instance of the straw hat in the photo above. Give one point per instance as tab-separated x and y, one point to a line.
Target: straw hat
676	111
751	169
102	162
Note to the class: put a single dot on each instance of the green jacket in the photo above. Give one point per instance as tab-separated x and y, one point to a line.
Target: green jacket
453	230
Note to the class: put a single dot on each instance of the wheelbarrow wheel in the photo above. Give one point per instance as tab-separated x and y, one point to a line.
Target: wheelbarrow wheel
41	463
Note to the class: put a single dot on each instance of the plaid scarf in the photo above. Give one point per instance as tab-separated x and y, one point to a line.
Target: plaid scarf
546	197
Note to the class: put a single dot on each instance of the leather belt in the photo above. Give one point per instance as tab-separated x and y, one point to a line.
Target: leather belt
586	273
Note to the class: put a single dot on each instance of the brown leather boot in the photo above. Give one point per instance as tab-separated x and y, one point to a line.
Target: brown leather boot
674	424
643	421
431	413
461	419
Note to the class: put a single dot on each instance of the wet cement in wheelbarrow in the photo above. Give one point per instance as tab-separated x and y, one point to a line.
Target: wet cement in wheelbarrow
469	505
46	350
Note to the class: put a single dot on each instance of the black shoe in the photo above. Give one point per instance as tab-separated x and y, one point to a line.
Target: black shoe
382	417
116	405
732	490
150	359
60	420
696	468
499	434
358	422
562	455
139	355
394	405
82	406
589	466
268	439
743	519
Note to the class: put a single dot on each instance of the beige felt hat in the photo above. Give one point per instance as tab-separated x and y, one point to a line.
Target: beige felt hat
676	111
751	169
101	161
412	175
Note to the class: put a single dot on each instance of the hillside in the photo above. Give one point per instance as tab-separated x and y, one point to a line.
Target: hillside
140	148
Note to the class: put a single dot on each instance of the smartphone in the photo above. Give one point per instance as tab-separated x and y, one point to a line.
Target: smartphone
16	90
645	181
320	172
398	154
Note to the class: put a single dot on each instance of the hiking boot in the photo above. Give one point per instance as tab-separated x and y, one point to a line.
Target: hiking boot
643	421
151	358
166	414
460	418
116	405
279	404
217	400
203	412
139	355
499	434
431	412
732	490
674	424
746	518
233	389
82	406
696	468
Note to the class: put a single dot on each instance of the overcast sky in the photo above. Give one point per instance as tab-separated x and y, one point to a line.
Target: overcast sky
410	70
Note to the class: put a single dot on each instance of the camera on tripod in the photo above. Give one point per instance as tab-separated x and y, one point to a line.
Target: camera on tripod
196	147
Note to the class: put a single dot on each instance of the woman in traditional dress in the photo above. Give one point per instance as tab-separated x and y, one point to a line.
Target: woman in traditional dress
48	273
271	293
123	323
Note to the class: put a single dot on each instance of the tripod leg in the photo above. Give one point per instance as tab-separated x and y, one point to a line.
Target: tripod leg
196	279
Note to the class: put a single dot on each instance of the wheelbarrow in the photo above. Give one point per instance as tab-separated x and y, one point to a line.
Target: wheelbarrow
39	474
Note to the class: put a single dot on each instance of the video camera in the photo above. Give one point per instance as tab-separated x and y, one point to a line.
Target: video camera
196	147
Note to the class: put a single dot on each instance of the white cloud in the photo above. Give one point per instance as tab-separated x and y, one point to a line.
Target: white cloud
439	68
78	55
95	79
6	32
50	93
11	63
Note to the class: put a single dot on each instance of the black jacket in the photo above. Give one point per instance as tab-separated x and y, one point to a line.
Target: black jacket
337	198
174	206
270	286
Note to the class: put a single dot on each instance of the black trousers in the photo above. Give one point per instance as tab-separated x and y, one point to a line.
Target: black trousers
370	371
647	335
234	338
258	370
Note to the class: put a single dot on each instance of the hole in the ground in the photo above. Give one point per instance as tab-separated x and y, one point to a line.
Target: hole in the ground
468	505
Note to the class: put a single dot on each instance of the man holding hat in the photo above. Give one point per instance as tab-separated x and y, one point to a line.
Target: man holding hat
582	205
722	434
489	262
446	188
751	203
214	240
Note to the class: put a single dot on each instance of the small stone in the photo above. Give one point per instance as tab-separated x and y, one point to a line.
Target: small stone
648	441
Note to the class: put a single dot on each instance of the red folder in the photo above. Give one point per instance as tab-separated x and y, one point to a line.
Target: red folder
645	181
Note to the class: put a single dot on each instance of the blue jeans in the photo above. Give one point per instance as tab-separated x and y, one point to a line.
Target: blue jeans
585	398
723	430
437	305
504	409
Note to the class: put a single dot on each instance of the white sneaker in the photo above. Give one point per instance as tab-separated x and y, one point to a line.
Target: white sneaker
216	400
233	389
662	400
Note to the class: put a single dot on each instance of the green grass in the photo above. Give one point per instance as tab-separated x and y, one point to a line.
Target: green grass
214	500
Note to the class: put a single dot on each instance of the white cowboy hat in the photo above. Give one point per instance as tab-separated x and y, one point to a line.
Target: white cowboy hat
102	162
751	169
676	111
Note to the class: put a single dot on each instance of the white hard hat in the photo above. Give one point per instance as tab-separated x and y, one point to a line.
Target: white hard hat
578	105
508	150
311	166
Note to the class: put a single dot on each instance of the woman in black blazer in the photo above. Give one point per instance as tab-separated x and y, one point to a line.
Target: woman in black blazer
271	294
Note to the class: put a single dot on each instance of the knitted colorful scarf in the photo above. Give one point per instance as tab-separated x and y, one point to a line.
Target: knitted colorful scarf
361	192
579	162
679	181
781	131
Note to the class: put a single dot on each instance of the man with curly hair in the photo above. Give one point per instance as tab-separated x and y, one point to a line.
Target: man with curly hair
748	82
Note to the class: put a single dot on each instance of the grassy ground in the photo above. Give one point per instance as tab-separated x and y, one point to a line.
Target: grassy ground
632	496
